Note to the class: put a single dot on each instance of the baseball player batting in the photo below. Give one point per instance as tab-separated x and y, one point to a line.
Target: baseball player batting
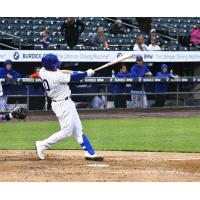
55	82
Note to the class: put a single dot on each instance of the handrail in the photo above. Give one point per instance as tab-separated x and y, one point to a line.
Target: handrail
130	25
171	38
177	34
20	44
10	34
169	26
8	46
138	28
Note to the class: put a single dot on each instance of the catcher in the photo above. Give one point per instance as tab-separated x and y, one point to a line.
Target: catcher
17	112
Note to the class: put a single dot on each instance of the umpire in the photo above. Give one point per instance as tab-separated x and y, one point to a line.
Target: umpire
71	29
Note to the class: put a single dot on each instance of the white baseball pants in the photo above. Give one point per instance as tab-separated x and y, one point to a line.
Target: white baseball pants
69	123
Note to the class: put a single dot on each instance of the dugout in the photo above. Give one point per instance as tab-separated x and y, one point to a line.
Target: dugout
185	64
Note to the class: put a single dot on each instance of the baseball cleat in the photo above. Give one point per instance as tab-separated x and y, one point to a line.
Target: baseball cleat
93	157
40	150
96	158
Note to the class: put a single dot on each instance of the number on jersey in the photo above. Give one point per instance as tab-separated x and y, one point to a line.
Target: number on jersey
45	85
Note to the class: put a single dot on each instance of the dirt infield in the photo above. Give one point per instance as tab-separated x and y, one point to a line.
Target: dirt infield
70	165
118	166
120	114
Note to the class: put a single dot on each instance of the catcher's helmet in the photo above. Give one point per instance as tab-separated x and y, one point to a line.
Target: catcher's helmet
51	62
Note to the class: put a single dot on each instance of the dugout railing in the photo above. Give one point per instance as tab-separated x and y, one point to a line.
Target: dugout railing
183	92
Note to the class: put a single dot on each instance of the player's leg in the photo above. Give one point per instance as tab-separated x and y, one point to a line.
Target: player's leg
144	99
65	119
134	98
82	139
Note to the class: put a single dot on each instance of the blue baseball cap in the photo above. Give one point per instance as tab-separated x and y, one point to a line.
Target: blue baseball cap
51	62
7	62
139	58
164	66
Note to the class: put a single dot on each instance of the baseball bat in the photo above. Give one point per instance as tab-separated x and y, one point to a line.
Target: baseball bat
117	60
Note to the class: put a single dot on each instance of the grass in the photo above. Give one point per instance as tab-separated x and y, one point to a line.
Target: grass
145	134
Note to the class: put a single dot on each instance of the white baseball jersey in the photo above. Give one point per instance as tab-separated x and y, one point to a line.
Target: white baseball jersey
55	84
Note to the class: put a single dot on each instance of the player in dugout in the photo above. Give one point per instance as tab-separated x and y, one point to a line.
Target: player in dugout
36	73
138	94
7	72
120	100
162	88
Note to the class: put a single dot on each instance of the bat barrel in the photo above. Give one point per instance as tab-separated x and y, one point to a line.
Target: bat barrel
124	57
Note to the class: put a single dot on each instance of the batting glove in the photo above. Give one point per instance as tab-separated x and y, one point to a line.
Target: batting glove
90	72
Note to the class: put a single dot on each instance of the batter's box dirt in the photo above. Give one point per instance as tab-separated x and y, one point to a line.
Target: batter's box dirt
118	166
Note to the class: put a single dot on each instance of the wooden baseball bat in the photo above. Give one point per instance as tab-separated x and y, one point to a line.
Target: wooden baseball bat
117	60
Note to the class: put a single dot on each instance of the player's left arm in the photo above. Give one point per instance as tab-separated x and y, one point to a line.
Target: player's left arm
66	71
78	75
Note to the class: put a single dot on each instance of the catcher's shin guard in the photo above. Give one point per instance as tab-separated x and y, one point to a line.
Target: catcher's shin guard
87	146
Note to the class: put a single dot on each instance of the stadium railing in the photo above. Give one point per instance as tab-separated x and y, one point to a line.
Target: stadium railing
30	93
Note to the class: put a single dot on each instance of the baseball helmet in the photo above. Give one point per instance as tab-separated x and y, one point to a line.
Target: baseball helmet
50	62
139	58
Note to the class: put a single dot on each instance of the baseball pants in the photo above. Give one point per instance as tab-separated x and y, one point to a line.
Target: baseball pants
139	99
69	123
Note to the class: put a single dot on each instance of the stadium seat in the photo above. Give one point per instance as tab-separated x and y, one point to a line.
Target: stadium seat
100	48
27	47
38	22
30	28
172	48
194	49
52	47
64	47
38	47
49	23
126	48
183	49
78	48
173	42
55	40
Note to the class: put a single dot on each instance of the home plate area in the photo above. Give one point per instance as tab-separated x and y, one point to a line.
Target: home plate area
70	165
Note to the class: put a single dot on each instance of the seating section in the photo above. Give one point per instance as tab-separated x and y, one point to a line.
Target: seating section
179	28
174	33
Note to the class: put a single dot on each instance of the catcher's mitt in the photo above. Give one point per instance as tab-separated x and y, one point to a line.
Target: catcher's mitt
19	112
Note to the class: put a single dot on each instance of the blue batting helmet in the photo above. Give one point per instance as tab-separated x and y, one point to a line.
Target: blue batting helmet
50	62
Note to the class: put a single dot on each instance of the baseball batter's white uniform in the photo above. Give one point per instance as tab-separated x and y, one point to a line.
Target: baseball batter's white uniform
56	85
